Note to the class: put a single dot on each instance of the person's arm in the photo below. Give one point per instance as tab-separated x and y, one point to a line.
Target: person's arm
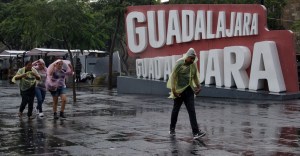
71	68
20	76
51	70
174	81
70	72
196	80
35	74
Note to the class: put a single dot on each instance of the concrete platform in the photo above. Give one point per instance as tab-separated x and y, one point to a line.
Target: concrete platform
131	85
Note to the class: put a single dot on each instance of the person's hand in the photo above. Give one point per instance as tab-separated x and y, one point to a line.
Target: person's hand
175	93
70	66
24	75
197	90
35	75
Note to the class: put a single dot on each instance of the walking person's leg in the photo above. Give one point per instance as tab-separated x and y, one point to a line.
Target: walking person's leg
38	95
23	104
190	106
189	102
174	116
55	101
30	102
63	98
43	93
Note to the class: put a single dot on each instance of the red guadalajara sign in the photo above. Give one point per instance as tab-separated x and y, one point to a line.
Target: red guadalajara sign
228	39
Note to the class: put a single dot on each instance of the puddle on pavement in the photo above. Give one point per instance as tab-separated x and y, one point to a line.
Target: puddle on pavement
97	89
27	140
121	137
10	95
289	136
106	112
156	140
189	147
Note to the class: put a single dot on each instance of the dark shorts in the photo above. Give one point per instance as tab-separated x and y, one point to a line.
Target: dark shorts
59	91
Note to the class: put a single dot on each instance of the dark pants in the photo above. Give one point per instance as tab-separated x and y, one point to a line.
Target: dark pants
187	96
27	98
40	97
77	76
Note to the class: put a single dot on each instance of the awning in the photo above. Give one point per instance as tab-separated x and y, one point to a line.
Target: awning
48	52
12	53
87	52
59	52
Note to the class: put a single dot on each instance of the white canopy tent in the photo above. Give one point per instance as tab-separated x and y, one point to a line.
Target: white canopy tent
12	53
48	52
87	52
60	52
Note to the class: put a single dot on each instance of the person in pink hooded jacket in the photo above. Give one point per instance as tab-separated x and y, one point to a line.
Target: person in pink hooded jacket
56	77
40	88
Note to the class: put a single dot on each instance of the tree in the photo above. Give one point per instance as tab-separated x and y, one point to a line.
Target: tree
296	29
274	8
74	25
12	23
113	15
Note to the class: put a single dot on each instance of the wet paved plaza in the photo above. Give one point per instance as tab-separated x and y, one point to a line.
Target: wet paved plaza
102	122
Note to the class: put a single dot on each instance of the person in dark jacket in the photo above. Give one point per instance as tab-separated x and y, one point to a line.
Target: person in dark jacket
78	69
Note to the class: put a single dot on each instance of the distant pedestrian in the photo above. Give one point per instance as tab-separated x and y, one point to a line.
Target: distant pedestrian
78	70
184	84
40	89
55	83
26	77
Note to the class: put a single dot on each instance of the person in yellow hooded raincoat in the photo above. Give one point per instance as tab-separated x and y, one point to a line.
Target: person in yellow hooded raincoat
26	77
184	84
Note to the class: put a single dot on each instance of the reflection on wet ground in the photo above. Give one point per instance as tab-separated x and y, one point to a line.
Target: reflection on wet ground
25	139
102	122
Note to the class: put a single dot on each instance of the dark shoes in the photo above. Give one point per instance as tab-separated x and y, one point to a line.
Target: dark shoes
31	117
199	134
55	116
20	114
172	132
62	115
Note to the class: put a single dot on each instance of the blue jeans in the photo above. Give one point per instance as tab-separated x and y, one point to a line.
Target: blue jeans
40	97
187	96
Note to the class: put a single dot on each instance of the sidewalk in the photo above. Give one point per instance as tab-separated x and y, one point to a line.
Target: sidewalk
102	122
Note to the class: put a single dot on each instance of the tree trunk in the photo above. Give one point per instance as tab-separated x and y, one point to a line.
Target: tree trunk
72	63
111	49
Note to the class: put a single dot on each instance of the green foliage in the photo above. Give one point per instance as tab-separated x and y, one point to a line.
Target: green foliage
83	24
274	8
213	1
12	23
40	23
296	26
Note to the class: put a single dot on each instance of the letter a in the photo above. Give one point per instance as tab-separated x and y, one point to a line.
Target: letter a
266	65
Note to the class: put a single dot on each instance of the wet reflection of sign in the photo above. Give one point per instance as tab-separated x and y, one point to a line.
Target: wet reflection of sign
289	136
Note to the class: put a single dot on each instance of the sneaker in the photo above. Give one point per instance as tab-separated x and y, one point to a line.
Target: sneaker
37	111
62	115
41	114
20	114
172	132
31	117
55	116
199	134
